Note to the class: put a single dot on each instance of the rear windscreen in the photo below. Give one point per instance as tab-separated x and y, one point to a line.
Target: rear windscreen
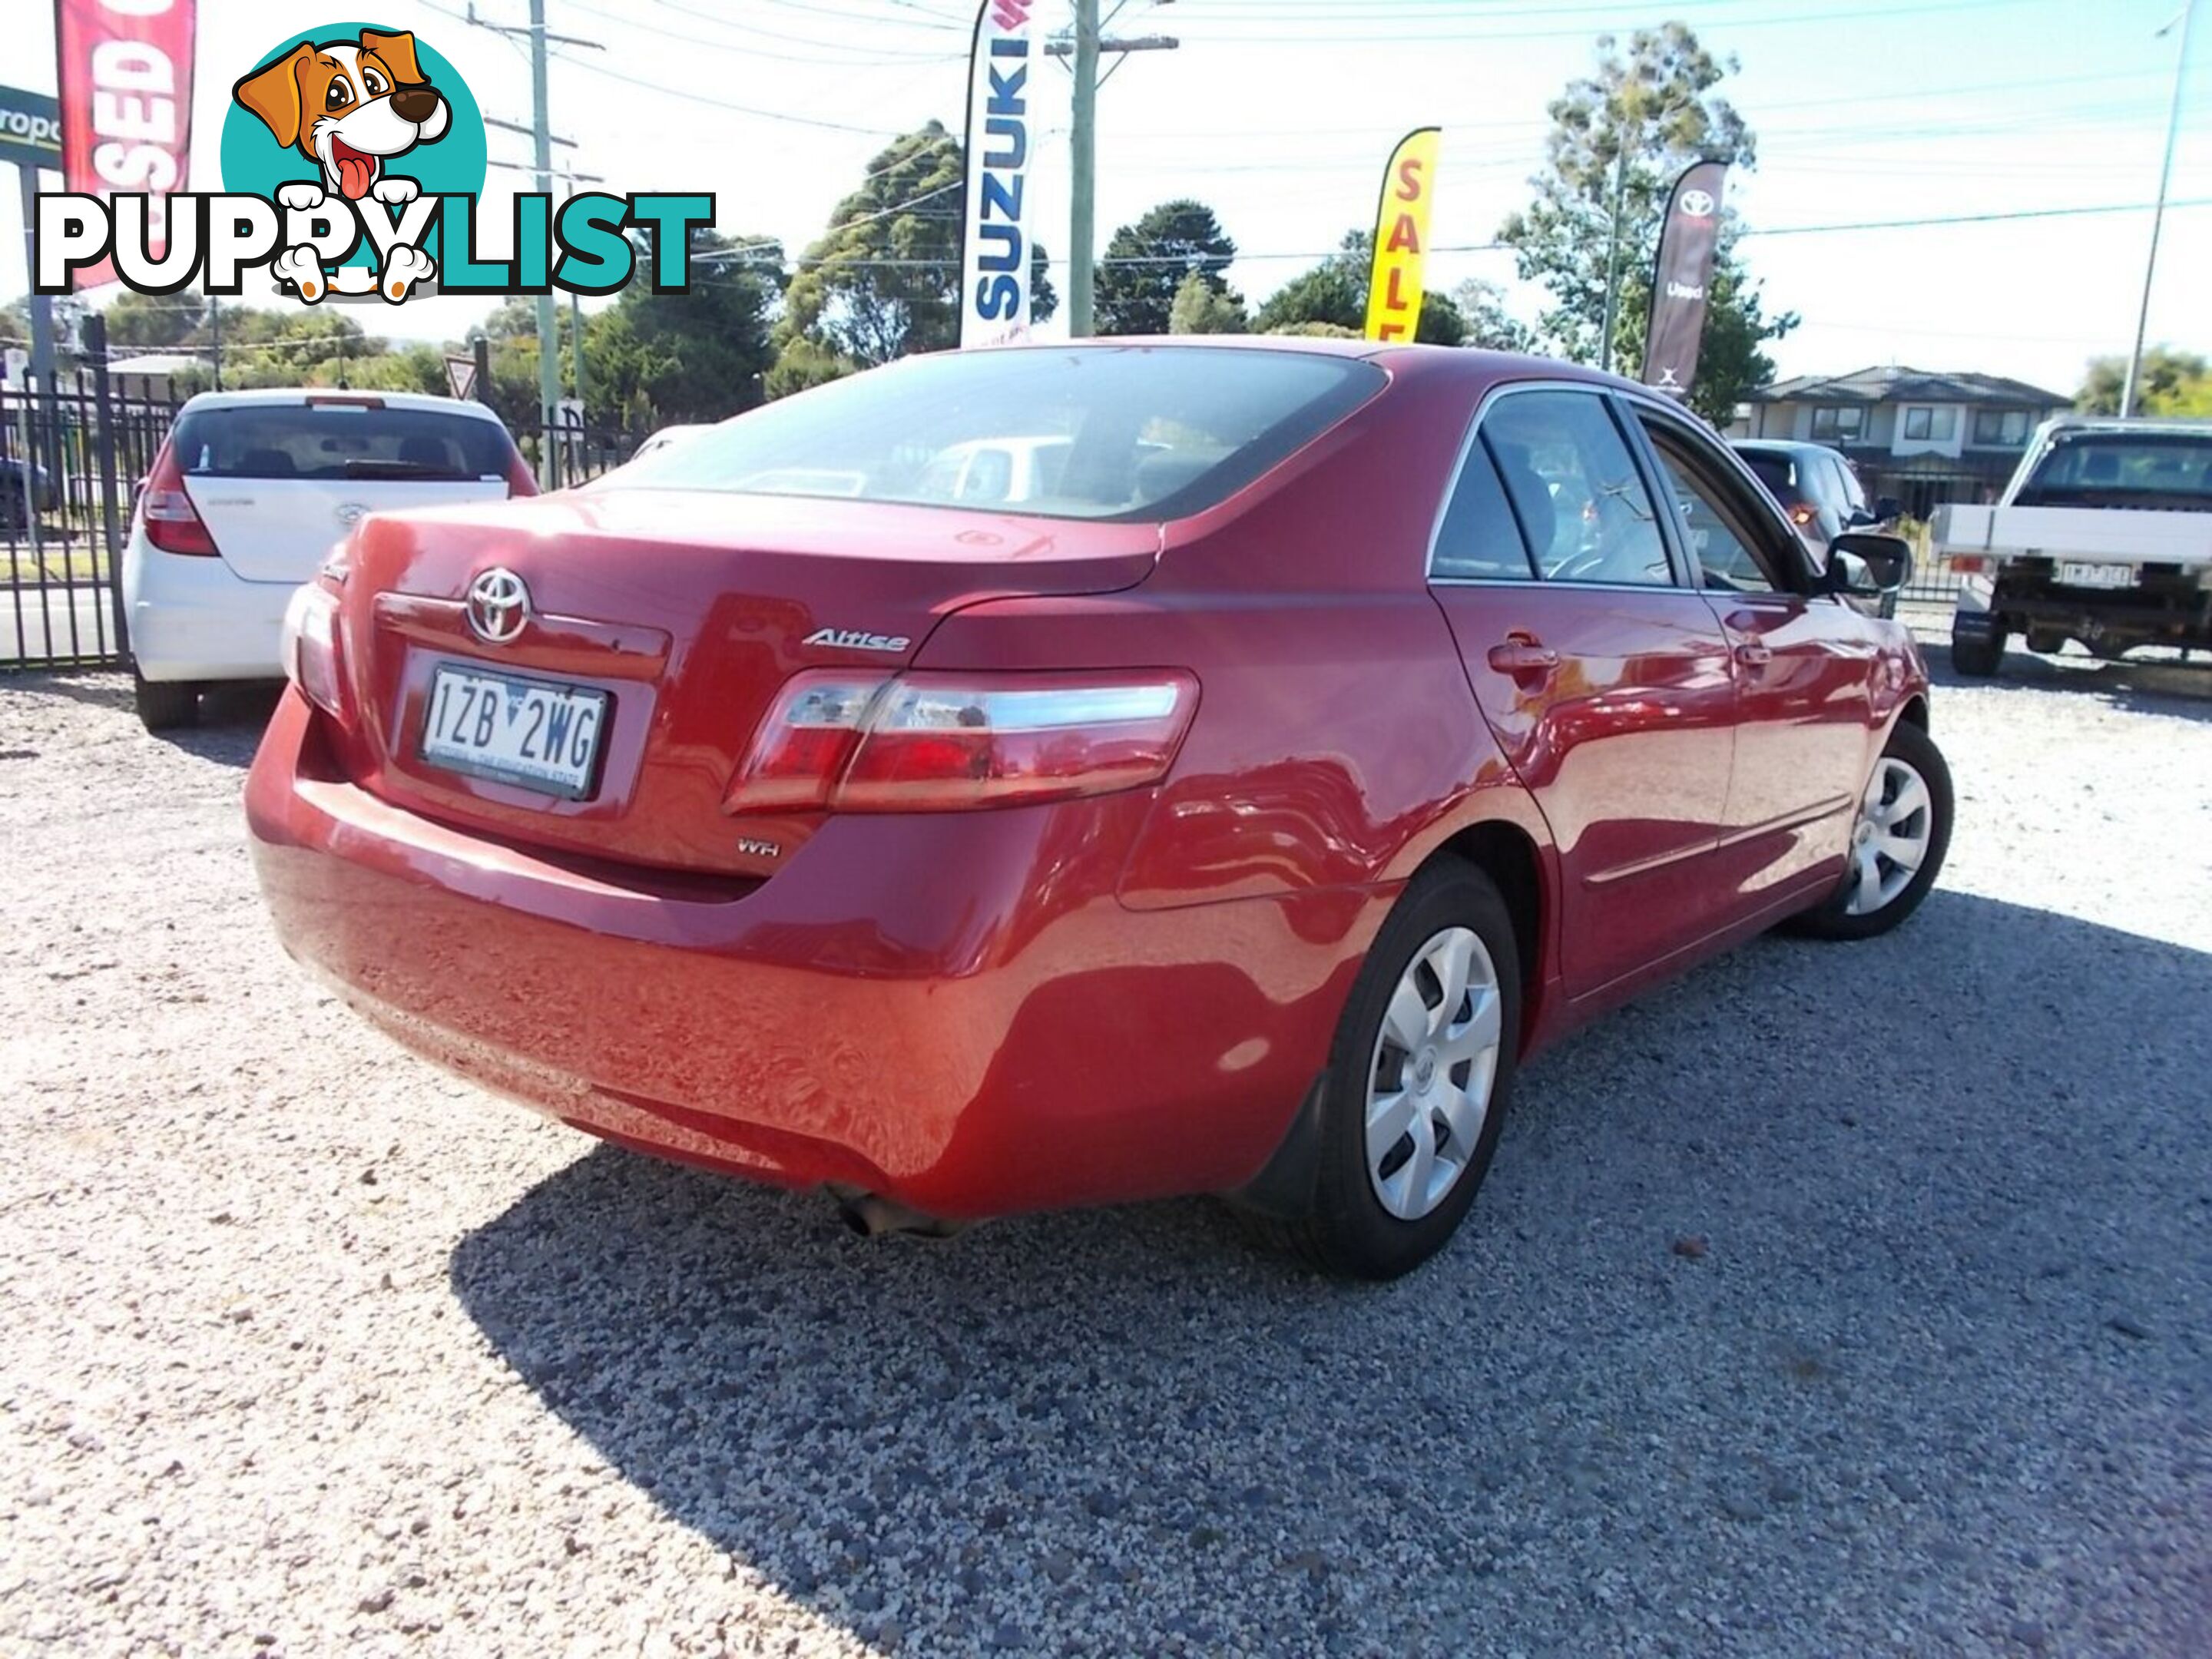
1774	470
1106	432
2164	470
337	440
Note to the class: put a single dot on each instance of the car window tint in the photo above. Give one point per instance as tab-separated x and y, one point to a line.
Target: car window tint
1096	432
1479	539
1725	556
1566	466
337	440
1774	471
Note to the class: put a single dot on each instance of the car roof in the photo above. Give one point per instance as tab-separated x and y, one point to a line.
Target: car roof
2181	425
264	397
1789	447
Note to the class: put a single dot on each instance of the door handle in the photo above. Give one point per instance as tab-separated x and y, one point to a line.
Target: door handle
1519	654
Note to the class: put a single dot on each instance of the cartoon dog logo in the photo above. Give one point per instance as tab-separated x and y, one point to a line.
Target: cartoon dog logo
349	107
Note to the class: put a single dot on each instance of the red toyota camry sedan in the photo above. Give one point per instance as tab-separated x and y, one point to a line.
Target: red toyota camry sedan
1069	774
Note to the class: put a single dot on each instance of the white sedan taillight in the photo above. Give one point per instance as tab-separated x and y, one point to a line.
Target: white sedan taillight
311	647
941	742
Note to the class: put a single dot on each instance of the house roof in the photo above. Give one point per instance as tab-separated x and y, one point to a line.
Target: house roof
152	362
1894	385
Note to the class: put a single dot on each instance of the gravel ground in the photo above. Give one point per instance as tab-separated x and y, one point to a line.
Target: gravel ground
1839	1299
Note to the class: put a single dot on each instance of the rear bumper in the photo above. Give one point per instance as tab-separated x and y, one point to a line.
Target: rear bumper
192	618
951	1009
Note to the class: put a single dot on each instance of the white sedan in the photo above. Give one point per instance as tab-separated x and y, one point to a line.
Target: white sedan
245	500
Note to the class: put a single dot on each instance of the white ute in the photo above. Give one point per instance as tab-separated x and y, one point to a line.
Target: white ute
245	499
2104	536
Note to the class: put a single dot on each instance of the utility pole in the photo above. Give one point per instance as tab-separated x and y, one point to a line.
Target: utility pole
541	142
1082	228
1083	140
215	336
549	343
2158	214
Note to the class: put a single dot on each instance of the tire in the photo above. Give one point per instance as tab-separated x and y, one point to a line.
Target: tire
1977	659
166	705
1346	1229
1841	917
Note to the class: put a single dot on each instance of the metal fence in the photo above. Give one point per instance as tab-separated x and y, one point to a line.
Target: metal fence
70	456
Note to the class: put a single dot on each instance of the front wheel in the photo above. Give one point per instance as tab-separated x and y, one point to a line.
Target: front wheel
1418	1079
1898	841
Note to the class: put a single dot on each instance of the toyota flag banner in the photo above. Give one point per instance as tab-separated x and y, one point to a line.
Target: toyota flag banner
1401	237
127	84
995	235
1679	282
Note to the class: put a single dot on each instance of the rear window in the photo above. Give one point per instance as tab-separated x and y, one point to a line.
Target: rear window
1774	471
337	440
1091	432
2164	470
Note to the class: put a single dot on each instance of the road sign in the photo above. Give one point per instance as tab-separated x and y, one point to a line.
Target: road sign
461	375
30	128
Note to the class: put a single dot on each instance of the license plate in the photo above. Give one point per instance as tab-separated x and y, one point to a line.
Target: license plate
2096	575
532	733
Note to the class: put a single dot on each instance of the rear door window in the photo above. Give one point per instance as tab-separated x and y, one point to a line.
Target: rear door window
1479	539
339	439
1575	490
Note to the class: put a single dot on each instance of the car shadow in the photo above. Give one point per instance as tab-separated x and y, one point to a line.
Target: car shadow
2183	691
1891	1254
232	715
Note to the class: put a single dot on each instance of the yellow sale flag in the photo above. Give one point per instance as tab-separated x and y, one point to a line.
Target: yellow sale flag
1402	238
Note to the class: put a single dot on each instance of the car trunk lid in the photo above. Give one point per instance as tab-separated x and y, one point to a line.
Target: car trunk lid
690	609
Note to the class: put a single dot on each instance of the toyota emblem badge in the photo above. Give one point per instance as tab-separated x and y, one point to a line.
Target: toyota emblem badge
499	605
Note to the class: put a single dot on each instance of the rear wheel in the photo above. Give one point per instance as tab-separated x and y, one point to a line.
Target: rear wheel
164	705
1898	842
1978	655
1418	1079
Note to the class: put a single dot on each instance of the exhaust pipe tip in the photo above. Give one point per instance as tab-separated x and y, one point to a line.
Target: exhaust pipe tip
872	1215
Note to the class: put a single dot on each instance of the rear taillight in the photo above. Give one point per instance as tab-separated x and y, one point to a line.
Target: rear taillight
311	647
938	742
172	523
1972	564
519	480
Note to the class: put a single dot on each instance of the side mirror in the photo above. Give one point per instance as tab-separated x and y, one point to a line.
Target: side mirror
1887	508
1867	566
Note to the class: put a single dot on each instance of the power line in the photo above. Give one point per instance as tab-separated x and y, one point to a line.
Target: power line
691	97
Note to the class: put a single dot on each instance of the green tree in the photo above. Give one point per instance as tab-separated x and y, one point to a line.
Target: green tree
1335	292
1201	308
2172	383
1487	324
154	322
884	280
1622	136
1147	265
701	356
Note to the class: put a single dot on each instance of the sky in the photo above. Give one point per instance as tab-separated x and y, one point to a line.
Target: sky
1280	113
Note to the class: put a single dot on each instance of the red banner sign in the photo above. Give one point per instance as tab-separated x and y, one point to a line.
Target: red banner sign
126	80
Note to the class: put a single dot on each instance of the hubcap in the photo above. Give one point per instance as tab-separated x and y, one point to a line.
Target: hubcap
1889	843
1428	1085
